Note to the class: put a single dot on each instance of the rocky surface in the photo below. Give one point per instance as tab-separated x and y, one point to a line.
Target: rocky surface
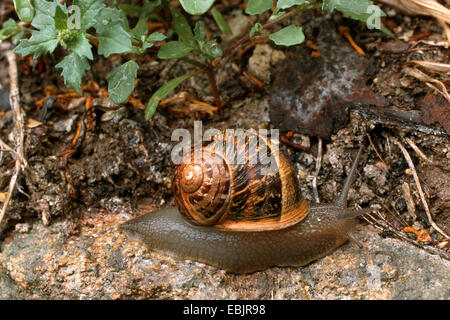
101	263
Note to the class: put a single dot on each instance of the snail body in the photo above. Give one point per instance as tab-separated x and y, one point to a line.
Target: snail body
239	224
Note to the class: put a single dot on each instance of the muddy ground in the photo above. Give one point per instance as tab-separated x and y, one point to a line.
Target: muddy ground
64	206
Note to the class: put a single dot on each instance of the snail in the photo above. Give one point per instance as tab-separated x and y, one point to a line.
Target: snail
234	218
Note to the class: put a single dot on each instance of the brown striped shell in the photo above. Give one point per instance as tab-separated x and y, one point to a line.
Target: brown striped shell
219	192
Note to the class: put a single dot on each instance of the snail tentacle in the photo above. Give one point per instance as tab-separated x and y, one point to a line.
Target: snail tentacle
342	200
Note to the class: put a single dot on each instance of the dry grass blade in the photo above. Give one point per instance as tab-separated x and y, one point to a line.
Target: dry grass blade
316	173
421	7
433	66
428	80
446	29
419	187
19	129
418	151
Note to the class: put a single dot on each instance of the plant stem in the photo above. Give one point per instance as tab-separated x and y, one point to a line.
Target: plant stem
212	80
264	26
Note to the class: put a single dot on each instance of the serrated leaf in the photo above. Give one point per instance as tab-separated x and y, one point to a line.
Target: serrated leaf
44	13
74	67
196	7
161	93
114	40
220	21
258	6
41	42
121	81
182	27
10	28
18	37
284	4
24	9
174	50
81	46
89	11
288	36
60	19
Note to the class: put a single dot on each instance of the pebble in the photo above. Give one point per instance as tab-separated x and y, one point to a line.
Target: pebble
65	125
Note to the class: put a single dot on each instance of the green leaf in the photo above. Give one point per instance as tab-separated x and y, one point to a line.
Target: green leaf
210	49
89	11
18	37
156	36
109	17
131	9
174	50
113	32
256	28
182	27
121	81
196	7
24	9
220	21
114	40
355	9
161	93
10	28
284	4
199	31
60	19
141	28
288	36
387	32
258	6
74	67
41	42
45	11
140	10
276	15
80	45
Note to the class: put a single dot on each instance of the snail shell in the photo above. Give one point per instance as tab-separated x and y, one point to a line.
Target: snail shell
221	193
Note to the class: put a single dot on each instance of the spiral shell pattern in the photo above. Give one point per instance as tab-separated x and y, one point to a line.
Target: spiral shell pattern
237	196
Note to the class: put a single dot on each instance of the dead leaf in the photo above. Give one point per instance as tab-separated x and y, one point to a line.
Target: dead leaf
435	108
31	123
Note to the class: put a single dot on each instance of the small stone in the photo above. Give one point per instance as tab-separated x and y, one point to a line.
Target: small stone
259	62
22	227
65	125
239	25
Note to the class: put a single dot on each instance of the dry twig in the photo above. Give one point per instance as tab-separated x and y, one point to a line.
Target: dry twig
376	151
383	225
417	150
19	129
429	81
433	66
419	187
421	7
